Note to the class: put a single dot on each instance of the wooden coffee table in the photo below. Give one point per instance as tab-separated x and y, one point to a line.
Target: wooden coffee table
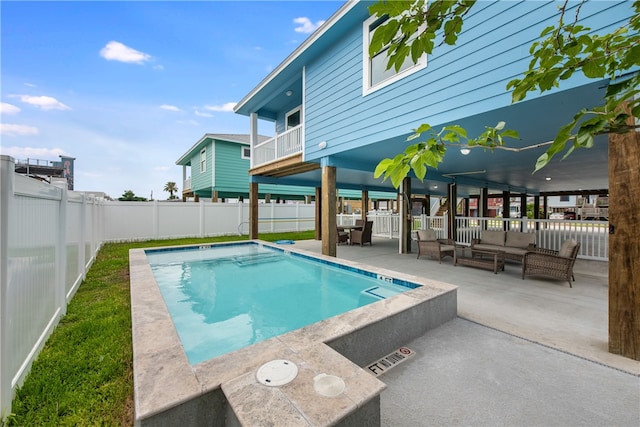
490	260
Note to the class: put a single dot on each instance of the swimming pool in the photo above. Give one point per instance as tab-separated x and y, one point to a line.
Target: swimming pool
226	297
169	390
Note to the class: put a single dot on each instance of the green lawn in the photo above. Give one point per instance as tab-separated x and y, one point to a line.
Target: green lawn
84	374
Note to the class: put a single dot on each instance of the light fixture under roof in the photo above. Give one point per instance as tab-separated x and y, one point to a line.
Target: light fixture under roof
548	178
289	93
465	150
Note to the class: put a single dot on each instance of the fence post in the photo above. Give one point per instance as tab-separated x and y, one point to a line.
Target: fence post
82	261
156	220
61	249
202	213
272	216
7	168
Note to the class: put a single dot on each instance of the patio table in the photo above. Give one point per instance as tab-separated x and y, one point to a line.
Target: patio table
487	259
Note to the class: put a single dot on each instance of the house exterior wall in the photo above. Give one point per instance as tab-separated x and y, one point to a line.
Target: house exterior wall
230	168
202	180
459	81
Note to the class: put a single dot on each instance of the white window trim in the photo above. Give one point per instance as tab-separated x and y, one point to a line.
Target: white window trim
242	155
286	116
366	63
203	160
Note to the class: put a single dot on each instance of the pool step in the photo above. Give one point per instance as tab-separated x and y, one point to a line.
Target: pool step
257	258
380	292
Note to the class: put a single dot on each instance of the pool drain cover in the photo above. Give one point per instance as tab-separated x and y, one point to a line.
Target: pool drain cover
277	372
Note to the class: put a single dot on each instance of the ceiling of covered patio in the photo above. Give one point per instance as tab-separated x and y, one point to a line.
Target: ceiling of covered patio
536	121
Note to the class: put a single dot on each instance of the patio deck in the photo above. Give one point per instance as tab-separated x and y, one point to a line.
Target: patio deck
521	352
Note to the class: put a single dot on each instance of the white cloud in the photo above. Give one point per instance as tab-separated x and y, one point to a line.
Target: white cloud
44	102
17	130
30	85
228	107
33	153
116	51
169	107
158	67
201	114
8	108
305	25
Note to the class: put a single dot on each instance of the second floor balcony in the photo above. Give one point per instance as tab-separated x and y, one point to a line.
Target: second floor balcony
279	147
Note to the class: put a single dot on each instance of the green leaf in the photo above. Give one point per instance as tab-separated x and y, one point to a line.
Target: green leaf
593	69
419	168
542	161
382	167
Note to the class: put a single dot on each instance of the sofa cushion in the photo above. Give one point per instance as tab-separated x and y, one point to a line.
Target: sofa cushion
428	234
566	250
492	238
514	251
485	247
517	239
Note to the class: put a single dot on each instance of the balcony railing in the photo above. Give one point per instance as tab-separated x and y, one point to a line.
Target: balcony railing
186	184
281	146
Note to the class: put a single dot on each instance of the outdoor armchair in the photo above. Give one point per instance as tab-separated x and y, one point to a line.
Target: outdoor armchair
429	244
547	262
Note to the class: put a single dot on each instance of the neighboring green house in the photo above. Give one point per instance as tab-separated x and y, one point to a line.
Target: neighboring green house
217	166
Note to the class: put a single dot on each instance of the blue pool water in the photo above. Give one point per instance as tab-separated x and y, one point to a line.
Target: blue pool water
226	297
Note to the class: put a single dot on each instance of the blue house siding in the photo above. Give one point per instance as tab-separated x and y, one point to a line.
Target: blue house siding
459	81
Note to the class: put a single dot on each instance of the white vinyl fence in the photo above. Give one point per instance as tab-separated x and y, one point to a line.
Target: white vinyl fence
136	221
49	237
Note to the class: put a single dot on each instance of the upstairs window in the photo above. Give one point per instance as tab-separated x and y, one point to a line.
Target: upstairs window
246	153
293	118
375	74
203	160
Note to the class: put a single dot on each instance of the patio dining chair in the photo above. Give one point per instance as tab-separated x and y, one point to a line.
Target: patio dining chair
362	236
343	236
547	262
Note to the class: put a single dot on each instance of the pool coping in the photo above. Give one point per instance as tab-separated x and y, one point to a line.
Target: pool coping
164	380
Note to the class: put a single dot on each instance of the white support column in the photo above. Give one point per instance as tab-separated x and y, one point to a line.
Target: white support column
253	135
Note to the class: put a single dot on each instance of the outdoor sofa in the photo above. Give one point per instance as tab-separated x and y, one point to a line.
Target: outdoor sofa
514	244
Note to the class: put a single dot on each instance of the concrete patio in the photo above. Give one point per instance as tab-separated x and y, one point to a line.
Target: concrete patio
521	352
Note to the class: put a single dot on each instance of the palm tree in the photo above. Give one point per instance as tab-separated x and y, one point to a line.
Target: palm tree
171	188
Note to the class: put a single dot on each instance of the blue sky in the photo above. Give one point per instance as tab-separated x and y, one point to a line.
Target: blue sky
127	87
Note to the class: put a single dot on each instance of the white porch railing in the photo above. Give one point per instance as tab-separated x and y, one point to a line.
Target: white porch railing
186	184
593	236
278	147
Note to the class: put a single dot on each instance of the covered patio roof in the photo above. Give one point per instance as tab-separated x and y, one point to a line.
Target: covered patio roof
537	122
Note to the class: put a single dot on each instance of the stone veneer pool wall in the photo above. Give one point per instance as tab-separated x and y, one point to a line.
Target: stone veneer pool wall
224	391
